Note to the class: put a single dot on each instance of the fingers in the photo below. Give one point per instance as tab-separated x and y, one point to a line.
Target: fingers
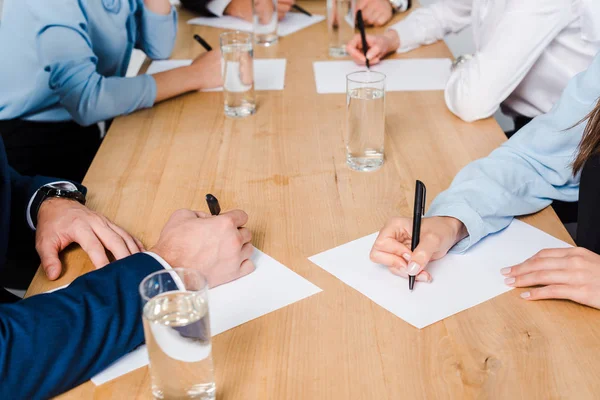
245	234
565	292
48	250
139	244
133	245
237	217
392	246
428	245
423	276
551	277
202	214
389	260
112	241
533	264
246	251
90	243
246	268
354	49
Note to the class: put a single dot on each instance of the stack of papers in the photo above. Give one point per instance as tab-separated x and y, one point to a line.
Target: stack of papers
269	74
460	281
401	75
291	23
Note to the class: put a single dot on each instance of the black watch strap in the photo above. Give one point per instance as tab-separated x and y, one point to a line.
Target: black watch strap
63	190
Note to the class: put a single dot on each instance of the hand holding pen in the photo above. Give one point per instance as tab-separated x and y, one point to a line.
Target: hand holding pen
392	247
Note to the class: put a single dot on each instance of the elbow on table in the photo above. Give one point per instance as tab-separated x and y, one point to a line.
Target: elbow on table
470	105
82	116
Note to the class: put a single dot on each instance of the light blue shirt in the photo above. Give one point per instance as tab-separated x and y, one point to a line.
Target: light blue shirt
527	172
66	59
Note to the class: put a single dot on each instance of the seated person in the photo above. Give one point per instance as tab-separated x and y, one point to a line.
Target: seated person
526	51
50	343
64	71
236	8
555	157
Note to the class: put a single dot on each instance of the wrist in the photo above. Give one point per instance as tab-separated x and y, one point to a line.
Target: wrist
393	39
459	230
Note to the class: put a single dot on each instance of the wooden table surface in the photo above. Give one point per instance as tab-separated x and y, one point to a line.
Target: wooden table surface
286	167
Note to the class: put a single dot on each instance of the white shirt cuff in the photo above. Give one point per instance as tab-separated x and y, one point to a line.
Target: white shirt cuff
218	7
29	221
160	260
403	6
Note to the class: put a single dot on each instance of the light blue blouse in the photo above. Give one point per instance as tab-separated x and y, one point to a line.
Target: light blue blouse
527	172
66	59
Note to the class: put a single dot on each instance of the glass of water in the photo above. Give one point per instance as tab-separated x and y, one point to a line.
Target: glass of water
340	24
177	331
265	20
237	67
365	130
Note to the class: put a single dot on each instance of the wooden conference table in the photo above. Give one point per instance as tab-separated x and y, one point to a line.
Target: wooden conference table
286	167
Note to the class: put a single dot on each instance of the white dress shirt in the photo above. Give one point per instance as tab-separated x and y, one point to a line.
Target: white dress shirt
526	51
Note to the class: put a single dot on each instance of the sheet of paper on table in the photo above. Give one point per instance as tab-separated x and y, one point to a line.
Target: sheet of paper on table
271	287
416	74
460	281
291	23
269	74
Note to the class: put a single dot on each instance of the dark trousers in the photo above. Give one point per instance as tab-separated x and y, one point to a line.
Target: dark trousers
62	150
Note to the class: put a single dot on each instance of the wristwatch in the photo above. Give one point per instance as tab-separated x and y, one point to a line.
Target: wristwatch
65	190
400	5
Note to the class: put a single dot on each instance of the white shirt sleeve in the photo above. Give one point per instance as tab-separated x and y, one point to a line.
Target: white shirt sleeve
476	88
160	260
429	24
218	7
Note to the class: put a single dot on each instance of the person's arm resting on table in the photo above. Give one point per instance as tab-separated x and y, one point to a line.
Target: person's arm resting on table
425	25
521	177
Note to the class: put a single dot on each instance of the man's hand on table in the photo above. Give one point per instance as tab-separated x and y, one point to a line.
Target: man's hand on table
217	246
63	221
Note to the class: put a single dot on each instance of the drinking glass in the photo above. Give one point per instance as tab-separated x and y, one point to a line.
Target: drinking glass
340	24
237	66
365	130
265	20
177	330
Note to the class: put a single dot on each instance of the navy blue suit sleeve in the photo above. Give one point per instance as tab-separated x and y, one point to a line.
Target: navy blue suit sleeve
50	343
198	6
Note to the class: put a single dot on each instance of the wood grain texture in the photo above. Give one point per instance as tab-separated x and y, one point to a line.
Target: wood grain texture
286	167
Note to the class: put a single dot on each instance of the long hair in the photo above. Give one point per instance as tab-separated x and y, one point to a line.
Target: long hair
590	142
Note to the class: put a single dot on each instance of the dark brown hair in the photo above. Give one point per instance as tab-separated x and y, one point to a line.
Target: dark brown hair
590	142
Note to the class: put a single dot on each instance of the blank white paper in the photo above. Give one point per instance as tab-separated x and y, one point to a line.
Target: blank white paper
271	287
460	281
291	23
135	63
269	74
417	74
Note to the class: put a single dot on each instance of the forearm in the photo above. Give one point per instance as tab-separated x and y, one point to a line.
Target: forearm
175	82
429	24
51	343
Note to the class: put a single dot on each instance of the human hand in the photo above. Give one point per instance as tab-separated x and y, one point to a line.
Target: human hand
569	273
379	47
284	7
240	9
62	222
376	12
219	247
207	70
264	10
392	246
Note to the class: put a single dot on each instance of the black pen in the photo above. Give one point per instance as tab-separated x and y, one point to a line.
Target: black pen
363	36
302	10
418	213
213	204
203	42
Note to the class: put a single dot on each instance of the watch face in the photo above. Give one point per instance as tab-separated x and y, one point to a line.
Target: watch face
63	186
